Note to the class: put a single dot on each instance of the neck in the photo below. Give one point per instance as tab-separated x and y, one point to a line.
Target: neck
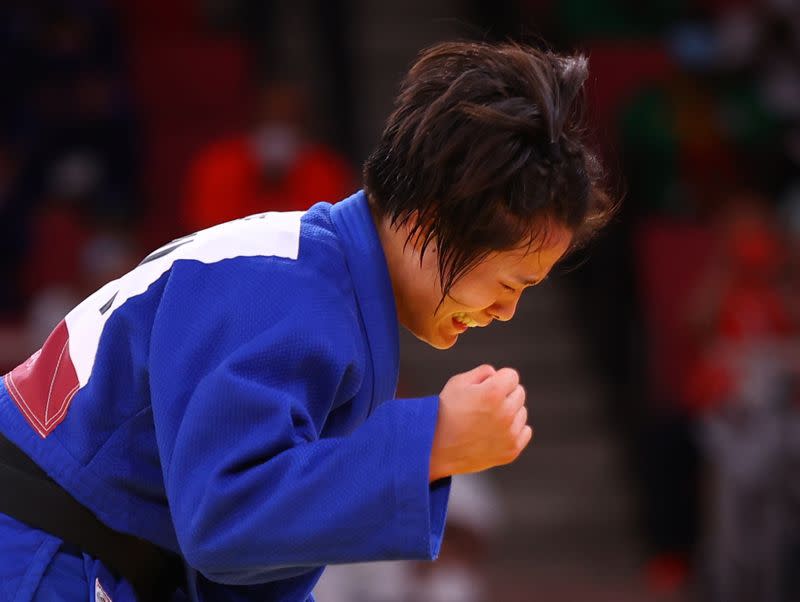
393	243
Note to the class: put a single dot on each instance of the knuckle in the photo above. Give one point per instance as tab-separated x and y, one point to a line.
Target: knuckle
512	444
511	455
494	391
512	407
510	374
509	415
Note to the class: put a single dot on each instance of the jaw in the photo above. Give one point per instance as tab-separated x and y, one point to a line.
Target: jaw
443	344
435	339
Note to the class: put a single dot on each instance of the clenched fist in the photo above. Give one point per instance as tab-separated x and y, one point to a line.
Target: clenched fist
481	423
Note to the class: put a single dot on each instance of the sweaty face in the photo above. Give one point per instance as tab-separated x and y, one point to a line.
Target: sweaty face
489	292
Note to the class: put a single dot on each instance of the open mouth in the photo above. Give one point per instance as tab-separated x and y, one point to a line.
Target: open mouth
462	321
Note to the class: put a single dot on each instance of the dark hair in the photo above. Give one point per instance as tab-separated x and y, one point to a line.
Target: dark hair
483	149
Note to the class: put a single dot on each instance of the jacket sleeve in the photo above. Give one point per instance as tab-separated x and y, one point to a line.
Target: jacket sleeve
241	383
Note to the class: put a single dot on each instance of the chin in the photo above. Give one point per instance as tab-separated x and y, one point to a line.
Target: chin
442	344
436	339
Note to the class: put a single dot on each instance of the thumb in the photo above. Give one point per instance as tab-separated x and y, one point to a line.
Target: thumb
477	375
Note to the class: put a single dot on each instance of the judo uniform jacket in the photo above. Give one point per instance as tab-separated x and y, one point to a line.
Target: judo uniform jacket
232	399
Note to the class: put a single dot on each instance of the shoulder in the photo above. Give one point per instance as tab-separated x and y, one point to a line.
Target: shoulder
319	239
262	268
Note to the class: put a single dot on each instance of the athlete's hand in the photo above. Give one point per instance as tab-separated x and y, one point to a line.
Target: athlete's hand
481	423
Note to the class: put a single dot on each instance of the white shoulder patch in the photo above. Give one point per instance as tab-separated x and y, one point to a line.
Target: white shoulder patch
265	234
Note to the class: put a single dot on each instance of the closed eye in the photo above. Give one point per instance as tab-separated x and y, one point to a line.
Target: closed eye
527	284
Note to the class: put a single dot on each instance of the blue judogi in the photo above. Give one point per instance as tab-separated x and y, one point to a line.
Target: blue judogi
231	399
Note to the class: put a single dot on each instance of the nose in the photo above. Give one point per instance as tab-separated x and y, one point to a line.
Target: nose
504	309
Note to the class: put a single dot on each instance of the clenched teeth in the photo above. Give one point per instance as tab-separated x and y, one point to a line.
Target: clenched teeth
465	319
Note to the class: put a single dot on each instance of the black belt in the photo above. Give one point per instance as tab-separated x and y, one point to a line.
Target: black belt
30	496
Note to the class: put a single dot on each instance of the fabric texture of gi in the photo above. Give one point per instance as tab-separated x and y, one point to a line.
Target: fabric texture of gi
231	399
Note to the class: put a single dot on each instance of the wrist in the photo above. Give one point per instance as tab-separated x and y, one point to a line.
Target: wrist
438	469
437	474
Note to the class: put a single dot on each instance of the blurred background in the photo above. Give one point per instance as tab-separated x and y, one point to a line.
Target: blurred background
662	365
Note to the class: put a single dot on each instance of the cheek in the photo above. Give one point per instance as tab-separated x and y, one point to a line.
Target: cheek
471	295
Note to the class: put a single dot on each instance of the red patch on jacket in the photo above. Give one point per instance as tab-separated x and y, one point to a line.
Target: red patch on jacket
45	384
